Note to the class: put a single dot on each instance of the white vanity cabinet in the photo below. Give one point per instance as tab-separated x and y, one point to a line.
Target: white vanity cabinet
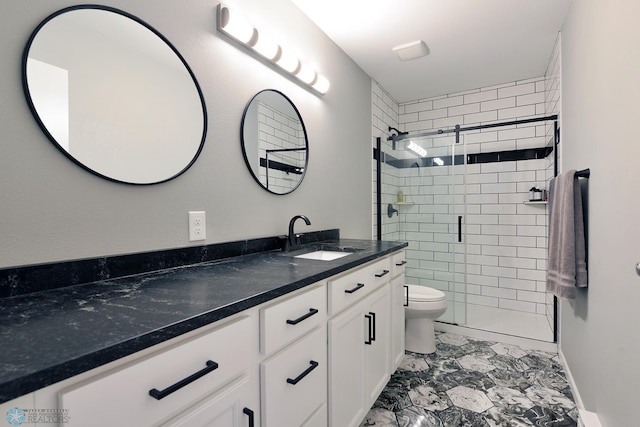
315	357
293	374
359	343
165	385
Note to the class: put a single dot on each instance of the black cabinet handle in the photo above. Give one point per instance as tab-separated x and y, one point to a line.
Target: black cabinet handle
400	264
459	228
373	320
358	286
306	372
155	393
249	413
369	319
406	295
311	312
384	272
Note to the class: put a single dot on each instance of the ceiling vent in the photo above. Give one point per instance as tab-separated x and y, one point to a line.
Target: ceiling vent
413	50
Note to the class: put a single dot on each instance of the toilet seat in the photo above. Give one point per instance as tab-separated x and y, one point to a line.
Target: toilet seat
425	294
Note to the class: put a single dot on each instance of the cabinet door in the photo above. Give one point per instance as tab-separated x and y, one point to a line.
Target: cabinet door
231	407
377	352
346	368
397	322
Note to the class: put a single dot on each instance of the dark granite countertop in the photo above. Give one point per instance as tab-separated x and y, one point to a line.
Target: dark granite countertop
52	335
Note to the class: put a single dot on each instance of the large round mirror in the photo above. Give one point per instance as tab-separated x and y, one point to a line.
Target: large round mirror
274	142
114	95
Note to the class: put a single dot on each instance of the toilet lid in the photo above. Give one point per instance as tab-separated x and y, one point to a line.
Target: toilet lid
423	293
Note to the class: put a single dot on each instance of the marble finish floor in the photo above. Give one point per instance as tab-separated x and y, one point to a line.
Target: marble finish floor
470	382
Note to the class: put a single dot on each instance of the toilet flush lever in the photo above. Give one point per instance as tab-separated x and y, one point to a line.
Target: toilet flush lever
638	268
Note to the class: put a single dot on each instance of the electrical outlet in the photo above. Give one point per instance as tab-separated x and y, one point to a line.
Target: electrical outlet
197	226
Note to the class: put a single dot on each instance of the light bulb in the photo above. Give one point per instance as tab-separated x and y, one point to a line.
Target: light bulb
235	25
321	84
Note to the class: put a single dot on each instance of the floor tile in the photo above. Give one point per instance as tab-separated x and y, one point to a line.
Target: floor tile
470	382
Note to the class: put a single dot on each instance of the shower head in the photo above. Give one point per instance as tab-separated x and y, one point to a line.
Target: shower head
397	131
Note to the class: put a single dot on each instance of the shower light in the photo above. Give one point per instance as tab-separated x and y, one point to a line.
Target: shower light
417	149
235	26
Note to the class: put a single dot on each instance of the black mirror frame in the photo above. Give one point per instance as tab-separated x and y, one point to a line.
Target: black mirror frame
25	87
244	152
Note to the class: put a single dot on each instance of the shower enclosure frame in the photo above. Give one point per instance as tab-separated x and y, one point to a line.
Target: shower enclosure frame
457	129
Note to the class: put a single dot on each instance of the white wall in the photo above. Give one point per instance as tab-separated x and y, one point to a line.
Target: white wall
600	92
51	209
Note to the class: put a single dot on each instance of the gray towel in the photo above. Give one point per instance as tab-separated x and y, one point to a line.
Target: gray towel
566	267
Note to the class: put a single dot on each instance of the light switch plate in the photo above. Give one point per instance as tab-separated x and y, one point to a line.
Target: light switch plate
197	226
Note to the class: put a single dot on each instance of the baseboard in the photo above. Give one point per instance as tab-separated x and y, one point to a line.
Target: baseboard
493	336
586	418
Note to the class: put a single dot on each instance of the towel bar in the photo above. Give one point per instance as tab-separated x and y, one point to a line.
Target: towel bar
584	173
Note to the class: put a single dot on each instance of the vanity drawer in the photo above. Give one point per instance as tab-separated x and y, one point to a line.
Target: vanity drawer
127	391
305	363
287	320
398	263
352	287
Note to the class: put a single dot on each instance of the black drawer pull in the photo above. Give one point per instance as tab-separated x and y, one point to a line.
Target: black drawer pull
384	272
311	312
369	338
249	413
306	372
358	286
155	393
400	264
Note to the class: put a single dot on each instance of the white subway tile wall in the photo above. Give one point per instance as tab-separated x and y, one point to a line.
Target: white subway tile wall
278	131
505	258
496	222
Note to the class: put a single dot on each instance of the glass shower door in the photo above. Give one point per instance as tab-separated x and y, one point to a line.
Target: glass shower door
432	219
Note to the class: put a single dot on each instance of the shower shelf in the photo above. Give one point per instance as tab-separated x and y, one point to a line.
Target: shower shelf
537	202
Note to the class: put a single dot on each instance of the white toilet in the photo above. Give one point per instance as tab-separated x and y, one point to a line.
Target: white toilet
423	306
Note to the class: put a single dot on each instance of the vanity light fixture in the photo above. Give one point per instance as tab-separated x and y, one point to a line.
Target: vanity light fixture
417	149
235	26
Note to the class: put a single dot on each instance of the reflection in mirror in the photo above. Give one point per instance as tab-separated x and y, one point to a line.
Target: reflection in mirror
114	95
274	142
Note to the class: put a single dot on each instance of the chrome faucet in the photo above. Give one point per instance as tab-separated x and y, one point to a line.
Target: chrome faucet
293	238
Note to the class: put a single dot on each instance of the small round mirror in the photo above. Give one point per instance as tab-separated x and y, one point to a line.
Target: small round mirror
114	95
274	142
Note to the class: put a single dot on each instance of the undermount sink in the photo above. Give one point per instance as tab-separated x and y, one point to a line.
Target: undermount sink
324	255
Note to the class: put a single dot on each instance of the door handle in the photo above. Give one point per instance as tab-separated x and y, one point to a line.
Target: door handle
249	413
459	228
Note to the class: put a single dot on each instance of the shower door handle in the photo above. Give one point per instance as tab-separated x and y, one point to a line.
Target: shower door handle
459	228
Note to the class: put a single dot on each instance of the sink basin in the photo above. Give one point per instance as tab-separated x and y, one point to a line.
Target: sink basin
324	255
